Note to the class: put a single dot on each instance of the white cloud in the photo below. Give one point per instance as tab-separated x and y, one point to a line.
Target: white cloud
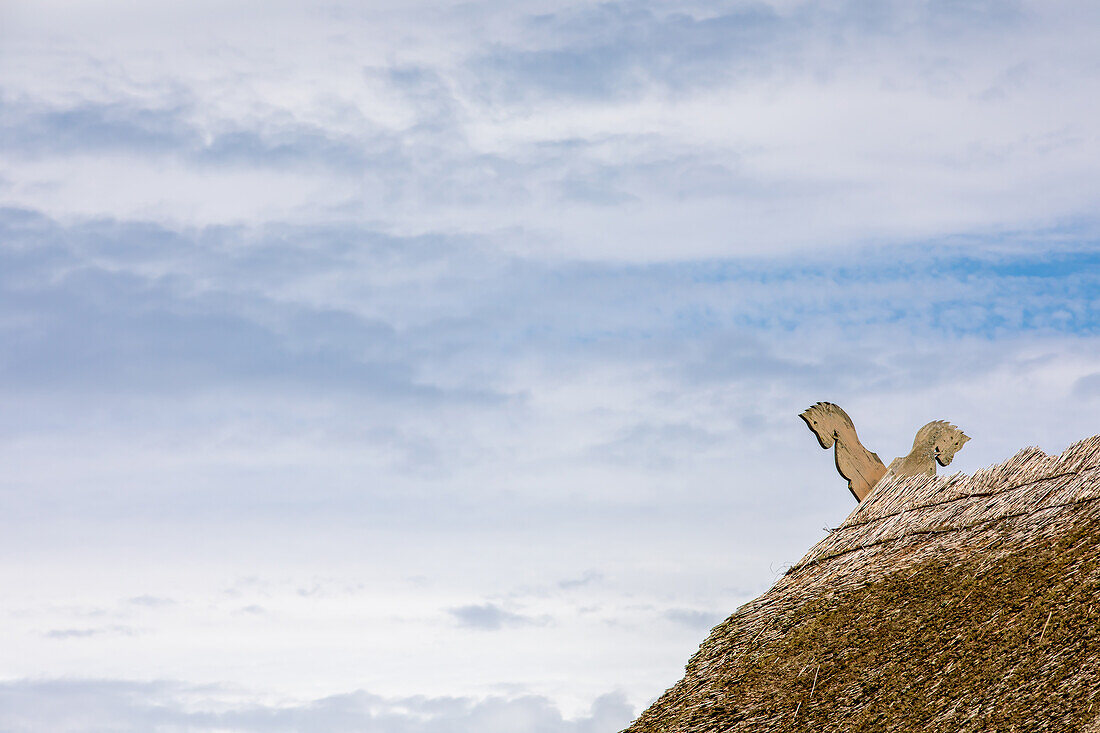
491	617
653	132
693	618
60	706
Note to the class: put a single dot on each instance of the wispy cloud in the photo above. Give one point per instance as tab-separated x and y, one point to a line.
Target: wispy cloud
693	618
89	632
491	617
150	601
751	127
621	49
72	705
410	348
589	578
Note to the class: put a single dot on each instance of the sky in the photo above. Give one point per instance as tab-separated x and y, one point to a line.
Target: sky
434	367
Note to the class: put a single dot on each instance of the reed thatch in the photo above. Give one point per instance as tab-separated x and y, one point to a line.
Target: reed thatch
958	603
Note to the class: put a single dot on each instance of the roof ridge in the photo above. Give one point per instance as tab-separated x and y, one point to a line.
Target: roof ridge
885	540
900	507
960	497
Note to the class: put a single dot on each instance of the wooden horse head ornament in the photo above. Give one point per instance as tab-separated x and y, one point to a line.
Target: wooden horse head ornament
936	442
832	426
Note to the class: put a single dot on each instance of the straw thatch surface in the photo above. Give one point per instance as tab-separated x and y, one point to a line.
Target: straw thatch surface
958	603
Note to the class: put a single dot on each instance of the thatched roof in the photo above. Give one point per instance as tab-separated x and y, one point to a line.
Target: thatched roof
958	603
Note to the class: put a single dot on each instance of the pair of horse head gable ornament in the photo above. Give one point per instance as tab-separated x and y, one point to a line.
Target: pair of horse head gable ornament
936	442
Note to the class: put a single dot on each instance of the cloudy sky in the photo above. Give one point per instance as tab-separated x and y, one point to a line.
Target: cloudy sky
434	367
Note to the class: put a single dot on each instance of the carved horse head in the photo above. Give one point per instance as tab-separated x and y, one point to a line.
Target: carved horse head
827	421
945	439
833	427
936	442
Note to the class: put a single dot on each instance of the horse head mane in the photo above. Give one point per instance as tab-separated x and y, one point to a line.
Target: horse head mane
824	418
942	438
